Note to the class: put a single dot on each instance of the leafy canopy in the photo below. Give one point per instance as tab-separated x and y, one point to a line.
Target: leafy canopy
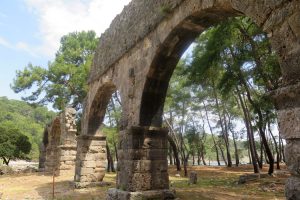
64	82
22	116
13	144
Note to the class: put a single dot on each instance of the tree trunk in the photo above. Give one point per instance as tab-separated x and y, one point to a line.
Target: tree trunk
203	159
276	147
202	154
249	131
249	155
170	155
175	152
261	157
260	123
282	148
5	160
198	157
110	162
185	164
237	159
193	156
223	156
211	132
223	128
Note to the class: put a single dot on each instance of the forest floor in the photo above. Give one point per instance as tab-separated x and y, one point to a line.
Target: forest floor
218	183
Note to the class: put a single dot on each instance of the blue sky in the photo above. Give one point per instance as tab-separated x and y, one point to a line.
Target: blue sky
17	28
30	30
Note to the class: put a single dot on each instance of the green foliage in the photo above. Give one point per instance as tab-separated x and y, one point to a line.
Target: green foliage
13	144
64	82
29	120
111	134
231	59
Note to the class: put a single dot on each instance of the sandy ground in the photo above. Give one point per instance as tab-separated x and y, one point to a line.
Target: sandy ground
214	183
39	186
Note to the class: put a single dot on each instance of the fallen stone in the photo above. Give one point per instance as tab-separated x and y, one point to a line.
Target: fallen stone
80	185
251	177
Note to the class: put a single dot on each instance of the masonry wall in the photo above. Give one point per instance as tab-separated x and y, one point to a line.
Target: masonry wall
58	149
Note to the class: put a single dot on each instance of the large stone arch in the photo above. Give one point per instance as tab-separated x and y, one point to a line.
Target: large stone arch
140	51
91	143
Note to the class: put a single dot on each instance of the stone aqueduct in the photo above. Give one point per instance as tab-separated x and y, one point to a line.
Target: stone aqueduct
137	56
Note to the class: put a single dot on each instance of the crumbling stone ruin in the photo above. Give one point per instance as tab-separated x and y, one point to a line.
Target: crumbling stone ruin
58	149
137	56
64	152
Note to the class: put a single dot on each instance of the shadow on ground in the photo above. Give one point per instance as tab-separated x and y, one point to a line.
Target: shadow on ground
64	190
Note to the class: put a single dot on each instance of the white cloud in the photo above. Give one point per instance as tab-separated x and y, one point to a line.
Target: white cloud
59	17
5	43
25	47
20	46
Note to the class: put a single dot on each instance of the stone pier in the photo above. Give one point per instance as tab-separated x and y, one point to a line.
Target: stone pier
90	161
288	101
58	149
142	167
68	143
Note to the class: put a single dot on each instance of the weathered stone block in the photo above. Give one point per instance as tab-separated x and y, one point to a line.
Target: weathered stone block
292	156
86	171
79	185
70	163
65	167
193	177
292	188
88	163
144	165
115	194
100	143
69	158
143	154
99	169
294	22
100	164
289	120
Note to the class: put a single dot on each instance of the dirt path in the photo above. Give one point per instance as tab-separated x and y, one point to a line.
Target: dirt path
38	186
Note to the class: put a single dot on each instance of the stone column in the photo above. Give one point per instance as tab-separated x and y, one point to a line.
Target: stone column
90	160
142	166
283	26
68	143
288	100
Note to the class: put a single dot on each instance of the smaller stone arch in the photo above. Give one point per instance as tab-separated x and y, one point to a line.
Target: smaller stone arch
91	143
58	147
98	108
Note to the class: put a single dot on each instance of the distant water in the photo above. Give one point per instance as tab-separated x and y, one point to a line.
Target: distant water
22	164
